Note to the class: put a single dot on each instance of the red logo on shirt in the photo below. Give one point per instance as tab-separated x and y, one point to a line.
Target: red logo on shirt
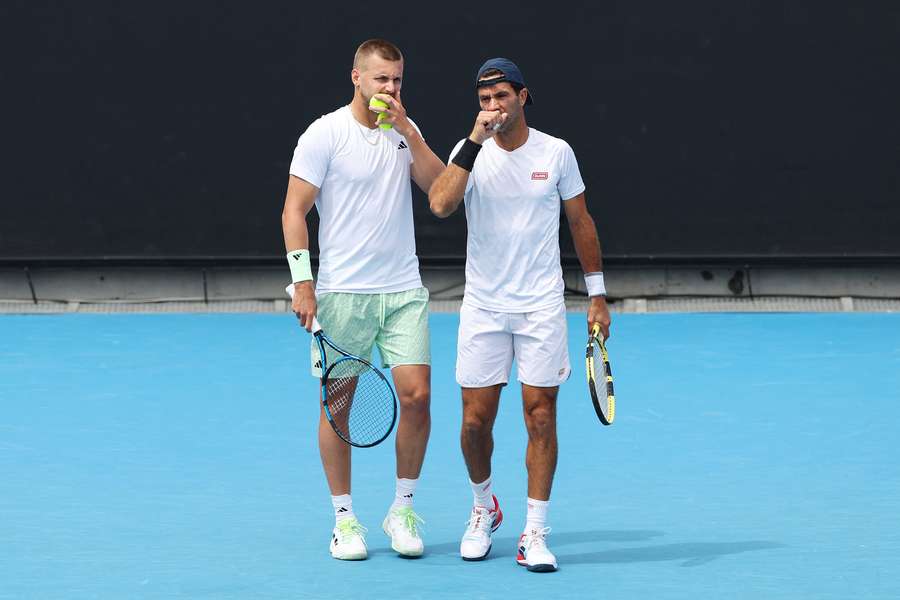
539	175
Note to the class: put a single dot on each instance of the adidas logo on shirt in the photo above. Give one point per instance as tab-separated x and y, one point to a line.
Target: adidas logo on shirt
402	145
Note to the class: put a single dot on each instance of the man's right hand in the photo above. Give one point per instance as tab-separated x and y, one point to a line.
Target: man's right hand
486	124
303	303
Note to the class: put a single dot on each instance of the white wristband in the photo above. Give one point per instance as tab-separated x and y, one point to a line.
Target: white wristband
298	260
594	284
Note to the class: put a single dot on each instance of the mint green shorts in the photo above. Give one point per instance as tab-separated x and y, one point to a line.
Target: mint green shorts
396	322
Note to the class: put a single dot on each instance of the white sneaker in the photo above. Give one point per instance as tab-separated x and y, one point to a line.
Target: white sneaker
533	552
476	541
402	525
348	540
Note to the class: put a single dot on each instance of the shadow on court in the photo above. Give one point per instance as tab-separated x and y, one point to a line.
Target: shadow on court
692	554
555	539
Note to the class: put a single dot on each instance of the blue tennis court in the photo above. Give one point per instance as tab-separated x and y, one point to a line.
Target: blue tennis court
174	456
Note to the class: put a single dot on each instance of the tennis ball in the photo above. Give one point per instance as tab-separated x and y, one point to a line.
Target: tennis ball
380	123
375	102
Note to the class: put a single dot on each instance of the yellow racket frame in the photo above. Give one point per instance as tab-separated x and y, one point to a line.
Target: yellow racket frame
597	338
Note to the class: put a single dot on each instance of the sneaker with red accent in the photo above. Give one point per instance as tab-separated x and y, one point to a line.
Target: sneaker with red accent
476	541
533	552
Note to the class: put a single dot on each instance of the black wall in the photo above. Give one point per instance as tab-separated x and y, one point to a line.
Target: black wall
703	129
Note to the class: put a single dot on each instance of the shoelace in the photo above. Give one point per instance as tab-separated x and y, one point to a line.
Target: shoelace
536	537
350	527
478	522
410	520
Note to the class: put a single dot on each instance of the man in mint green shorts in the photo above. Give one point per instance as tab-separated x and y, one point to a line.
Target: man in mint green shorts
357	174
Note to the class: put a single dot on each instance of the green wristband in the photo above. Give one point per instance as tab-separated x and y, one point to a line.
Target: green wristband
301	270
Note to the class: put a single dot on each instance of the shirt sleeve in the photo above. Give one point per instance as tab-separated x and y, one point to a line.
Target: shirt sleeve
312	154
471	181
570	182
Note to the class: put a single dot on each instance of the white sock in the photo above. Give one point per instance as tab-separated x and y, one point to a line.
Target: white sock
537	515
404	494
343	507
483	493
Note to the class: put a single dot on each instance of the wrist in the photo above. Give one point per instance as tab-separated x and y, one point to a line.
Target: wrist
406	130
298	261
595	285
468	152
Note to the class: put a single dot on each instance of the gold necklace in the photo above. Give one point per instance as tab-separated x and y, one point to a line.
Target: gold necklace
365	136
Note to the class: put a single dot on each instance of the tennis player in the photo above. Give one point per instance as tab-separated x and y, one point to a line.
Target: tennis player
368	290
513	179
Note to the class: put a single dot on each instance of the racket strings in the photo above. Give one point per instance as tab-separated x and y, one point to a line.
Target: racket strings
602	387
360	401
598	364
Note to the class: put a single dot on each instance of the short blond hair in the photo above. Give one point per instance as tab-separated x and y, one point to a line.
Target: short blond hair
383	48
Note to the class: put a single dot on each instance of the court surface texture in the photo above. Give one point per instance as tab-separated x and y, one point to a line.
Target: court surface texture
175	456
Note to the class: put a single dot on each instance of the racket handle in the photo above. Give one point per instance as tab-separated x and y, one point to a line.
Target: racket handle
316	327
595	330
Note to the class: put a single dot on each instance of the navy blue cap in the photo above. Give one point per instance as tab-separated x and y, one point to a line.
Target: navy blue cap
511	73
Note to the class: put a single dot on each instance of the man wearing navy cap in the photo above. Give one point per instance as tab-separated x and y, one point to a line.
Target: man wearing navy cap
513	179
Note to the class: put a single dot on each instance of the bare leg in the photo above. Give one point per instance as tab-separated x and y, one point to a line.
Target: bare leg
335	455
413	383
477	439
539	404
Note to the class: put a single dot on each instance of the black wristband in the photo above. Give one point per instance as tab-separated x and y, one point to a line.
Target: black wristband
465	158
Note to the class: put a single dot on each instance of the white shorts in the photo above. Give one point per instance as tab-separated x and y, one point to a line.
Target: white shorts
489	340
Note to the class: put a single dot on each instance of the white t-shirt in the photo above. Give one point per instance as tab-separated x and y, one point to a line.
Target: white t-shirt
366	240
512	210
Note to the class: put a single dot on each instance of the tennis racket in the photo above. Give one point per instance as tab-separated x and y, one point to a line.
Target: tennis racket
357	399
599	376
359	402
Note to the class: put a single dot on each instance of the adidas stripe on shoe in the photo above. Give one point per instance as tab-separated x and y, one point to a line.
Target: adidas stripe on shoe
348	541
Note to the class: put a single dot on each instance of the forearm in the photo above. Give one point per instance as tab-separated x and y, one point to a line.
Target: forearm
296	237
587	244
426	165
296	234
448	190
298	201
